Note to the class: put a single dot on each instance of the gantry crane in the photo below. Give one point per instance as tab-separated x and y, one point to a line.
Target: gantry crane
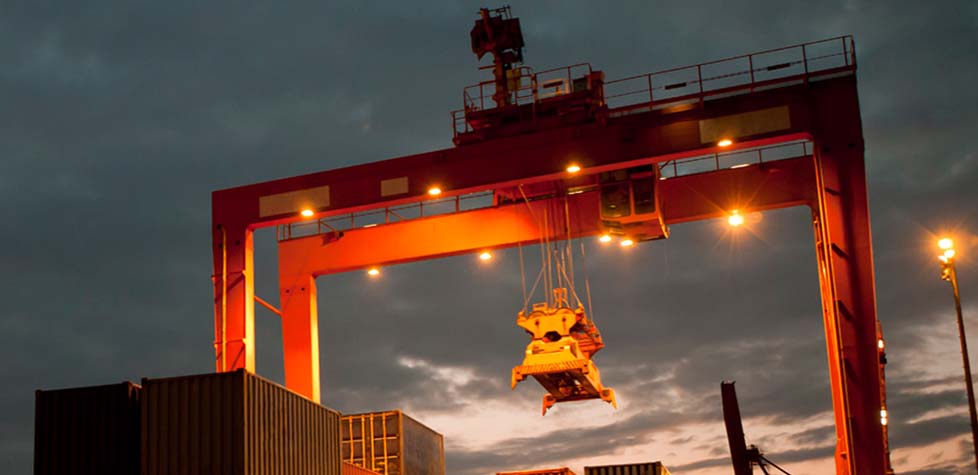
563	140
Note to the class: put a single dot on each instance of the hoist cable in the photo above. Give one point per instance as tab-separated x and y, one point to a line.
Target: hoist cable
545	257
519	245
526	302
573	291
541	228
570	250
587	281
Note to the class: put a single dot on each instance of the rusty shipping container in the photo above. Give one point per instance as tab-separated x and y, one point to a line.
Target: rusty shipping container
235	423
87	430
645	468
543	471
391	443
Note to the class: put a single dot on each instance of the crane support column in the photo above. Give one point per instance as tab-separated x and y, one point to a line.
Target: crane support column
300	335
845	263
234	297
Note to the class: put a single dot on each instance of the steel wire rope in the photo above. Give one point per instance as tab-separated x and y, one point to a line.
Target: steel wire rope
570	251
541	227
546	258
765	459
519	245
587	273
563	279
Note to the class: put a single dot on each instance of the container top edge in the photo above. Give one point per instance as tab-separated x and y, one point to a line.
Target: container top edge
538	471
126	384
630	464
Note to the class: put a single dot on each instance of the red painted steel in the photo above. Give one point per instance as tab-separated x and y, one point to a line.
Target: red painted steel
845	258
687	198
818	104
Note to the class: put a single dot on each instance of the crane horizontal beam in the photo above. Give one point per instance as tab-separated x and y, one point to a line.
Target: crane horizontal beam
687	198
762	118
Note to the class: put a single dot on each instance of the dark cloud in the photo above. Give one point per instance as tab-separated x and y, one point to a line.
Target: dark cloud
120	118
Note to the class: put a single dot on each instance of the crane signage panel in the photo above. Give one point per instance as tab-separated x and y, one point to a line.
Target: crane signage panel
293	201
745	124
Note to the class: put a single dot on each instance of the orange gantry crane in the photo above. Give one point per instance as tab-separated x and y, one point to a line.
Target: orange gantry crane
762	131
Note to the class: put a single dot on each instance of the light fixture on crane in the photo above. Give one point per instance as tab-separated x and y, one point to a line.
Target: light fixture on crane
735	219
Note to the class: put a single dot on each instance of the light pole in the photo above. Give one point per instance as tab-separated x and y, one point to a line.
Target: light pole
949	274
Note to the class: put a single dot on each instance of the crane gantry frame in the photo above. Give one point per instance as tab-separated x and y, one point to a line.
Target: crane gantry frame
807	102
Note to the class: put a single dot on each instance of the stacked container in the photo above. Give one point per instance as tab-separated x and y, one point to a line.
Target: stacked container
646	468
235	423
87	430
391	443
544	471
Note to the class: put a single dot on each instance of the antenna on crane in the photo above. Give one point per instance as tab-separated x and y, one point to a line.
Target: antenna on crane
498	33
743	457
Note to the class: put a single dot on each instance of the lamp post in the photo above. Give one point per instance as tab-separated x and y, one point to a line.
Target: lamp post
949	274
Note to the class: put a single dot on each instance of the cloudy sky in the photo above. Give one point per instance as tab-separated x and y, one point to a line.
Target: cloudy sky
117	120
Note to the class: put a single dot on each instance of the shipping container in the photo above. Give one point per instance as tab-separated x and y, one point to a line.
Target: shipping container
350	469
544	471
87	430
645	468
235	423
391	443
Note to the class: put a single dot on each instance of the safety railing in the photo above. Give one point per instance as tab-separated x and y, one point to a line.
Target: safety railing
479	96
726	77
559	81
734	159
530	87
388	215
744	74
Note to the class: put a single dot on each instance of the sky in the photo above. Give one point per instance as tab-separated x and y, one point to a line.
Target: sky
119	118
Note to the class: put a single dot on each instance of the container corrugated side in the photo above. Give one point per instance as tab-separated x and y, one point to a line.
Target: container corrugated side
391	443
235	423
87	430
542	471
423	448
350	469
644	468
